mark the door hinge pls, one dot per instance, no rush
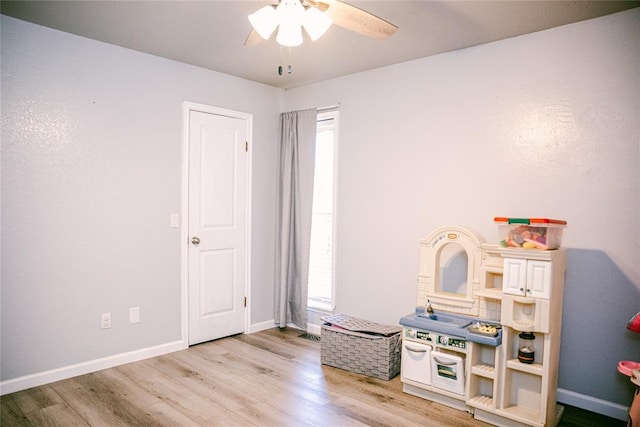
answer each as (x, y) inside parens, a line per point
(246, 146)
(245, 302)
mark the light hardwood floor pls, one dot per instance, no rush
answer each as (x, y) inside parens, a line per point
(271, 378)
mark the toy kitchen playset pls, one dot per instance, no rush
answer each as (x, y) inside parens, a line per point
(485, 337)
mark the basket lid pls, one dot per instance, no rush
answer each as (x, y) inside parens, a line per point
(359, 325)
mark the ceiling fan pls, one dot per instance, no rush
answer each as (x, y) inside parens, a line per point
(315, 16)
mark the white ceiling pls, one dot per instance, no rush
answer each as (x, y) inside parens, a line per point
(211, 34)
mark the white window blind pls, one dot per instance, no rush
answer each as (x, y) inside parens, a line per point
(321, 286)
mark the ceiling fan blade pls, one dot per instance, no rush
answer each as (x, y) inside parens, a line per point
(253, 39)
(322, 5)
(357, 20)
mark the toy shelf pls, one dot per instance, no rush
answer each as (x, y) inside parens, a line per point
(483, 381)
(533, 369)
(523, 395)
(489, 293)
(487, 371)
(482, 401)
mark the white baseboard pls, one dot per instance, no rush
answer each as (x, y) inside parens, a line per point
(41, 378)
(257, 327)
(593, 404)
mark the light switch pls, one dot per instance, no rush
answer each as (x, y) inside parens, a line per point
(134, 315)
(175, 220)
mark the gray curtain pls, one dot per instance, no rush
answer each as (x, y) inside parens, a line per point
(293, 231)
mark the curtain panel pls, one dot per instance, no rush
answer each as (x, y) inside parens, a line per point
(297, 146)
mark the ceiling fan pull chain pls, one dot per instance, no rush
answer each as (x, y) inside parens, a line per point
(289, 61)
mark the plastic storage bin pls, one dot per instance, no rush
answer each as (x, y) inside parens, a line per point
(530, 233)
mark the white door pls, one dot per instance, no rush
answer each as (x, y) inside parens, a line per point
(217, 206)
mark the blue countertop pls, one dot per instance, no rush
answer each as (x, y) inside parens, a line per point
(451, 324)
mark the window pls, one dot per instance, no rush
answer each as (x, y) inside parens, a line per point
(321, 289)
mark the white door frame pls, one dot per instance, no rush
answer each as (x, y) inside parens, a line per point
(187, 107)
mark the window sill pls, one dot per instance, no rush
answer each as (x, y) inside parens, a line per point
(321, 309)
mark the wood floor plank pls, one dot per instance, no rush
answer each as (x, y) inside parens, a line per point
(288, 374)
(10, 412)
(207, 379)
(109, 398)
(388, 395)
(199, 403)
(112, 395)
(264, 414)
(309, 411)
(43, 406)
(263, 361)
(37, 398)
(56, 415)
(283, 343)
(149, 407)
(87, 401)
(370, 414)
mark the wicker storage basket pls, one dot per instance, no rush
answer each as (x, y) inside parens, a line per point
(361, 346)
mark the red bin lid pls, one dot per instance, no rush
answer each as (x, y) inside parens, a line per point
(529, 221)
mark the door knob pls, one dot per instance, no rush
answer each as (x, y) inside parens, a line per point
(195, 240)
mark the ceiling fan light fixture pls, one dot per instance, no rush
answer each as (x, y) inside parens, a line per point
(290, 17)
(264, 21)
(315, 16)
(316, 23)
(289, 34)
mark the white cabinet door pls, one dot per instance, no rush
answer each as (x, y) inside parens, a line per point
(514, 278)
(539, 279)
(527, 277)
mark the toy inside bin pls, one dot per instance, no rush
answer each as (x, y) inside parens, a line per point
(530, 233)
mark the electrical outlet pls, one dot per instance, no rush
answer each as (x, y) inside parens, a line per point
(134, 315)
(106, 320)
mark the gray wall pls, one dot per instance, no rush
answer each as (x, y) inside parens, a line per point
(543, 125)
(91, 172)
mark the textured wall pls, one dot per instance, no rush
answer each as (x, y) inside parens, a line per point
(543, 125)
(91, 172)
